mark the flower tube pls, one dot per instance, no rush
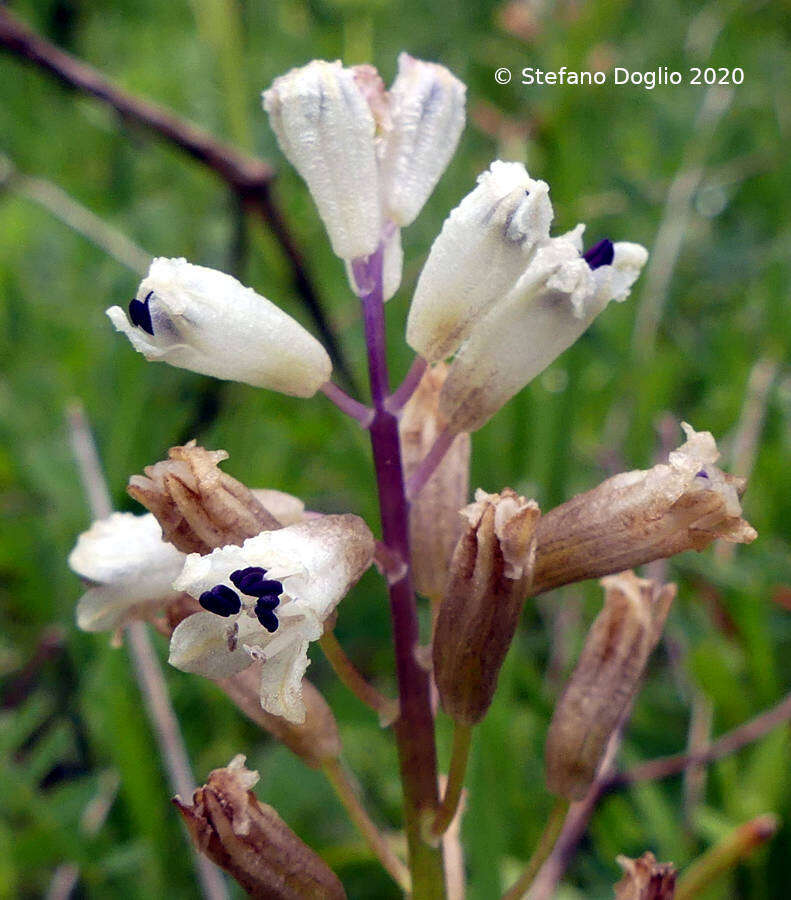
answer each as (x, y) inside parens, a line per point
(484, 246)
(554, 302)
(325, 128)
(206, 321)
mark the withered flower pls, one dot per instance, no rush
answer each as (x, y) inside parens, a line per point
(605, 679)
(645, 879)
(636, 517)
(489, 579)
(250, 841)
(434, 521)
(199, 506)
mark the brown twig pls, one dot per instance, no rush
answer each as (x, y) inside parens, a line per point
(249, 178)
(734, 740)
(147, 669)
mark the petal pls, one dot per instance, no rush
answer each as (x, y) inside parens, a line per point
(426, 121)
(199, 644)
(107, 607)
(286, 508)
(125, 548)
(281, 682)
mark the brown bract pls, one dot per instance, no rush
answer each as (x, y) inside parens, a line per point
(489, 579)
(198, 506)
(434, 522)
(605, 680)
(645, 879)
(251, 841)
(636, 517)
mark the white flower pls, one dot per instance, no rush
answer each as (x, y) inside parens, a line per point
(484, 246)
(370, 157)
(325, 128)
(206, 321)
(266, 600)
(552, 304)
(426, 118)
(130, 566)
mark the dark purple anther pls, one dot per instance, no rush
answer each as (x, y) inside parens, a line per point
(600, 254)
(251, 581)
(140, 314)
(221, 601)
(266, 616)
(701, 474)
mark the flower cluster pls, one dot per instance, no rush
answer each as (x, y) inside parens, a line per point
(242, 581)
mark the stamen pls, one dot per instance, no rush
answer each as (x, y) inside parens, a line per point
(601, 254)
(265, 615)
(140, 314)
(702, 474)
(251, 581)
(221, 600)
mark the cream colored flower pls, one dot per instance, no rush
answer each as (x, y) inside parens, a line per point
(266, 600)
(131, 570)
(206, 321)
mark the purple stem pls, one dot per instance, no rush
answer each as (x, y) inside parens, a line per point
(400, 396)
(358, 411)
(414, 728)
(429, 463)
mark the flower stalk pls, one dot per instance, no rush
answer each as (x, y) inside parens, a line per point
(551, 833)
(459, 757)
(414, 728)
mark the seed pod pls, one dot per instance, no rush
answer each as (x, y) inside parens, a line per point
(645, 879)
(434, 521)
(636, 517)
(198, 506)
(605, 679)
(250, 841)
(489, 579)
(314, 741)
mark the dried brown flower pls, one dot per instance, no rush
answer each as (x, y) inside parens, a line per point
(645, 879)
(636, 517)
(434, 523)
(489, 579)
(250, 841)
(605, 679)
(198, 506)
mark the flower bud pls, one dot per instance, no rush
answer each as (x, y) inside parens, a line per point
(426, 121)
(250, 841)
(636, 517)
(206, 321)
(552, 304)
(198, 506)
(130, 569)
(314, 741)
(325, 128)
(483, 248)
(605, 680)
(645, 879)
(488, 582)
(434, 520)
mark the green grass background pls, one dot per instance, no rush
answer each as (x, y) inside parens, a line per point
(611, 156)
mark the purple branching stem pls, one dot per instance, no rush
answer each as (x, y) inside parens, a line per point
(400, 396)
(429, 463)
(414, 728)
(346, 404)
